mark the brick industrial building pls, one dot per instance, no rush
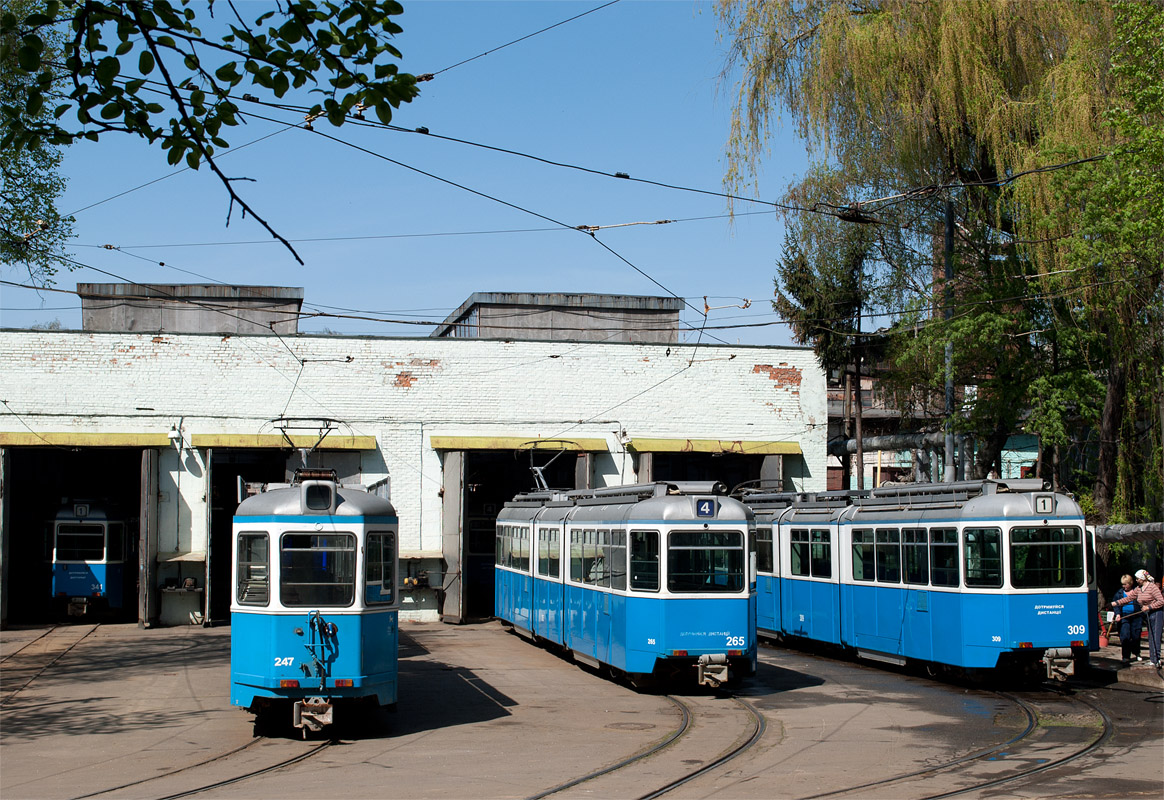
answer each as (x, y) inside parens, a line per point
(169, 426)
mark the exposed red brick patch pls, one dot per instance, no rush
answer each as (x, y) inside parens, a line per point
(782, 374)
(405, 379)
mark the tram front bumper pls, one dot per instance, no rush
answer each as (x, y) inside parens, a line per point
(1060, 662)
(712, 669)
(312, 713)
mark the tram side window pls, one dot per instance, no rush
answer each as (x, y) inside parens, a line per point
(1089, 557)
(863, 569)
(888, 555)
(576, 571)
(822, 559)
(548, 553)
(380, 558)
(618, 559)
(798, 564)
(644, 561)
(944, 557)
(80, 542)
(982, 549)
(915, 549)
(1046, 558)
(705, 561)
(254, 569)
(597, 552)
(521, 552)
(317, 569)
(764, 560)
(589, 572)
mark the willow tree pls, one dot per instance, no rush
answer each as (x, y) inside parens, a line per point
(915, 103)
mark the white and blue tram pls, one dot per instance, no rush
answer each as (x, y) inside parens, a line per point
(651, 580)
(973, 575)
(88, 548)
(314, 615)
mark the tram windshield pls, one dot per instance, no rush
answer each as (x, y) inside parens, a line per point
(80, 542)
(1046, 558)
(317, 569)
(705, 561)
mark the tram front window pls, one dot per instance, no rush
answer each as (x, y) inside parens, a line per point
(705, 561)
(317, 569)
(84, 542)
(1046, 558)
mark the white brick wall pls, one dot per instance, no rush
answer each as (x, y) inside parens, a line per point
(403, 391)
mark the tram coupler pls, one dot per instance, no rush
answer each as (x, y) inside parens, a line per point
(1060, 663)
(78, 606)
(712, 669)
(312, 713)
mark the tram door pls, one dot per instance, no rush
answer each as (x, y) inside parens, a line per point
(767, 586)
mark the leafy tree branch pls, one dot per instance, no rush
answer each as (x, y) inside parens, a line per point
(340, 51)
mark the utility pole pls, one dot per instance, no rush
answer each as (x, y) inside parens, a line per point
(948, 251)
(858, 401)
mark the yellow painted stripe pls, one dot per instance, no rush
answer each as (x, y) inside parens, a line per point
(517, 443)
(715, 446)
(259, 440)
(73, 439)
(264, 440)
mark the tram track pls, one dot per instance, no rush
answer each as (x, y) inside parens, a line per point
(287, 762)
(210, 762)
(35, 658)
(28, 644)
(987, 759)
(733, 753)
(688, 717)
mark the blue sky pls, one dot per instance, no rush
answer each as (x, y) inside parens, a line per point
(635, 88)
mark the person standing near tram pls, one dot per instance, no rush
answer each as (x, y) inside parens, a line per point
(1147, 595)
(1130, 620)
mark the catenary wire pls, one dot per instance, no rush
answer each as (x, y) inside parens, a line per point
(431, 75)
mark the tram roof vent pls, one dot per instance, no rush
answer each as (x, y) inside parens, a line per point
(696, 487)
(315, 474)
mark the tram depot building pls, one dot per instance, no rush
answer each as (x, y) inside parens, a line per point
(172, 400)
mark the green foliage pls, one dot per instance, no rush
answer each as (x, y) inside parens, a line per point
(1057, 298)
(32, 230)
(822, 282)
(146, 68)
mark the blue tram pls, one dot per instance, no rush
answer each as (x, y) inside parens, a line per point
(88, 547)
(315, 607)
(652, 580)
(973, 575)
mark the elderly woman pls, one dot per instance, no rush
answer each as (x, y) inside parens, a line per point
(1131, 622)
(1147, 595)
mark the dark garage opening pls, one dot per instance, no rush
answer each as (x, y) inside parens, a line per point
(226, 468)
(731, 469)
(493, 477)
(44, 480)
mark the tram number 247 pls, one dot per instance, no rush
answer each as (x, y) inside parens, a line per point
(289, 661)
